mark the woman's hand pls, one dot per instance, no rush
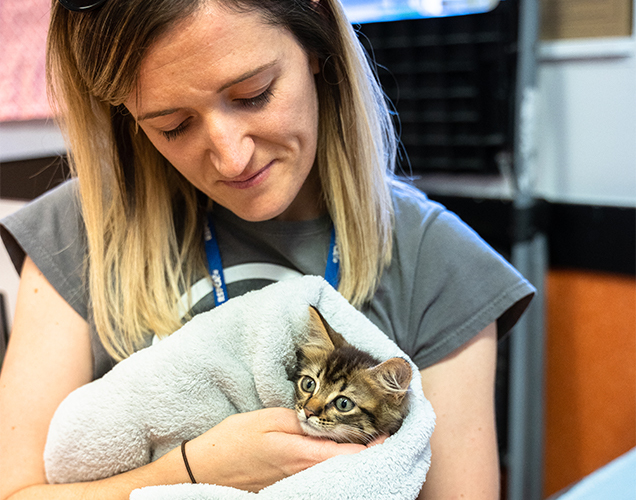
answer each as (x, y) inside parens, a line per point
(253, 450)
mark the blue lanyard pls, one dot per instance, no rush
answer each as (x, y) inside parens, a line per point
(215, 264)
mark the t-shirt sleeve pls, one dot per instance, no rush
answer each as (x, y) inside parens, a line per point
(460, 286)
(50, 231)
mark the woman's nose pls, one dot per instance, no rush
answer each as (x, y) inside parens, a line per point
(230, 146)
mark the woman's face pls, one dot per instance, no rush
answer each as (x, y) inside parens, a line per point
(231, 103)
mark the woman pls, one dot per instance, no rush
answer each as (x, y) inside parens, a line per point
(261, 123)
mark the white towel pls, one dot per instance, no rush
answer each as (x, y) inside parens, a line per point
(235, 358)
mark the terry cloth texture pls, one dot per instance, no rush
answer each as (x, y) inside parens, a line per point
(236, 358)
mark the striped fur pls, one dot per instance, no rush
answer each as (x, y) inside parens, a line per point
(345, 394)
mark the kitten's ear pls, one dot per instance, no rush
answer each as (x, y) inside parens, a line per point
(321, 334)
(394, 376)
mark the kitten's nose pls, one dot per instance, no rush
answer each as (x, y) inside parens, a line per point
(309, 412)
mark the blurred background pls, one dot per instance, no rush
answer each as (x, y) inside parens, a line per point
(520, 116)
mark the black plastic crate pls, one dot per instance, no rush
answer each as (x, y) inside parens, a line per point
(451, 81)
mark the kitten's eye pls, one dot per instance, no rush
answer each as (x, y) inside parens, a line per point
(343, 404)
(307, 384)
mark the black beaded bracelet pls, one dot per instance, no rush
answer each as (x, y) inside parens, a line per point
(185, 461)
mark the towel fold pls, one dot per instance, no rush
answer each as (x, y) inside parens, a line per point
(235, 358)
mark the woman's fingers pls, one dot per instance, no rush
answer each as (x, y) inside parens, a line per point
(253, 450)
(378, 440)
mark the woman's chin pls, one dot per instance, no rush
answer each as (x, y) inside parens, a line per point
(255, 213)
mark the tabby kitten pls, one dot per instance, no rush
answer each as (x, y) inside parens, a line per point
(343, 393)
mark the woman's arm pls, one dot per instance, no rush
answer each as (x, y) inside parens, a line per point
(49, 355)
(248, 451)
(464, 444)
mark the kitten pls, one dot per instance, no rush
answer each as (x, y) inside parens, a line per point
(345, 394)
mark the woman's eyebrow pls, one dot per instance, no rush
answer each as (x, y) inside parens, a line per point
(249, 74)
(241, 78)
(156, 114)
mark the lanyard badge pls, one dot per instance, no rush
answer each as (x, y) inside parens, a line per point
(332, 269)
(215, 264)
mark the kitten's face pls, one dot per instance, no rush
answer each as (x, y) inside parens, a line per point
(343, 393)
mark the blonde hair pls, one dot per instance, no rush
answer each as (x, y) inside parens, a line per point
(145, 252)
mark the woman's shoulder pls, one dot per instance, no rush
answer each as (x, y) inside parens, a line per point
(425, 227)
(53, 219)
(50, 230)
(62, 200)
(453, 283)
(412, 207)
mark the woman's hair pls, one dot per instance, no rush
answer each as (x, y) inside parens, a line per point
(144, 221)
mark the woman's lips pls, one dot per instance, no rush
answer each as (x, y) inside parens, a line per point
(250, 180)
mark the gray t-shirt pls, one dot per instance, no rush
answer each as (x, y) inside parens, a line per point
(444, 284)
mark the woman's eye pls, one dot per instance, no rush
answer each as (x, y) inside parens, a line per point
(307, 384)
(258, 101)
(343, 404)
(175, 132)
